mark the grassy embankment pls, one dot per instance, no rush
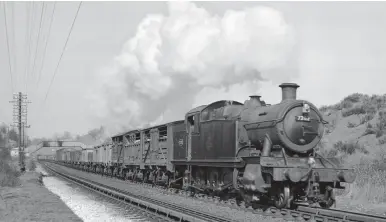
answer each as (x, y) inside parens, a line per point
(356, 134)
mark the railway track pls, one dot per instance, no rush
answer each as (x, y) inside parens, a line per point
(304, 212)
(301, 213)
(152, 208)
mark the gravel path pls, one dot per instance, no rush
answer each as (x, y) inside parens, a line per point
(212, 208)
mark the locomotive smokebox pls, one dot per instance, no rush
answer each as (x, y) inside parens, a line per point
(288, 91)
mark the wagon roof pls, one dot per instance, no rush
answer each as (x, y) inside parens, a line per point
(147, 128)
(120, 134)
(165, 124)
(201, 108)
(124, 133)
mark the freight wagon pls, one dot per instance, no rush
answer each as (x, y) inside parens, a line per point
(87, 155)
(69, 154)
(60, 155)
(146, 154)
(75, 155)
(102, 153)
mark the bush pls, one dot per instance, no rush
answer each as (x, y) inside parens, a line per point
(381, 125)
(323, 109)
(357, 110)
(9, 174)
(353, 98)
(330, 126)
(332, 153)
(346, 105)
(4, 154)
(368, 117)
(351, 125)
(370, 109)
(369, 131)
(349, 148)
(382, 141)
(378, 133)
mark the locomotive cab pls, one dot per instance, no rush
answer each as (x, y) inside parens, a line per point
(212, 142)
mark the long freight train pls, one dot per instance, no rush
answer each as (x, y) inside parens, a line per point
(251, 152)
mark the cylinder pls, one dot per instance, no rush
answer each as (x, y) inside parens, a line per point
(288, 91)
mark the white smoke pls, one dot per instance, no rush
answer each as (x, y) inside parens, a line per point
(187, 58)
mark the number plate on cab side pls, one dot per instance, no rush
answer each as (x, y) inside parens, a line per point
(303, 119)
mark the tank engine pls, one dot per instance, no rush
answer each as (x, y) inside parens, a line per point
(254, 152)
(281, 163)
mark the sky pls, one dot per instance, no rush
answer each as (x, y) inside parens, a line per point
(128, 64)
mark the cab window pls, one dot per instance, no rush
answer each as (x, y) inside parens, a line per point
(193, 123)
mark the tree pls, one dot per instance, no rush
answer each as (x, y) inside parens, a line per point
(3, 136)
(66, 136)
(97, 133)
(13, 135)
(3, 130)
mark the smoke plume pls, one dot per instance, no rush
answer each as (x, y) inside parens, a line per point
(189, 58)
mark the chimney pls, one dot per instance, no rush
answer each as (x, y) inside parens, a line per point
(254, 101)
(288, 91)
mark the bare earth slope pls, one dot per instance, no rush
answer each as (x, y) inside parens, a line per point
(356, 134)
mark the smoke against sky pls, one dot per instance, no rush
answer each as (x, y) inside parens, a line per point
(187, 58)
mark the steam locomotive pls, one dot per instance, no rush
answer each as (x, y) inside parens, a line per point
(253, 152)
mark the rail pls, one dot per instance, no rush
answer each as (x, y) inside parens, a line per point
(167, 210)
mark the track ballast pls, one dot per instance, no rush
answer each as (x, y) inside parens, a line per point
(182, 213)
(164, 210)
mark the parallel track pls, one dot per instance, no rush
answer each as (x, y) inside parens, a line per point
(302, 212)
(166, 211)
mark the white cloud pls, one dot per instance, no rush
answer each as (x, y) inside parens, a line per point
(190, 57)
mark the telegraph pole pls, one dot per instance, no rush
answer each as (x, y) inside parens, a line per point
(20, 120)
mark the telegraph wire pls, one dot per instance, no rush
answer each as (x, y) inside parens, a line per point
(14, 49)
(39, 44)
(32, 20)
(6, 37)
(37, 41)
(64, 48)
(27, 43)
(45, 47)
